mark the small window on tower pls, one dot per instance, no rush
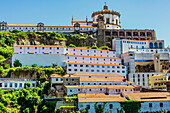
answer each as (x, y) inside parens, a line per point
(107, 20)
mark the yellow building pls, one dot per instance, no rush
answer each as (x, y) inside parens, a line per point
(158, 82)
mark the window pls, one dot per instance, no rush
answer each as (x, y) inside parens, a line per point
(118, 71)
(66, 79)
(161, 104)
(75, 65)
(42, 47)
(16, 85)
(75, 69)
(108, 66)
(28, 47)
(113, 71)
(50, 47)
(56, 79)
(88, 106)
(81, 65)
(20, 84)
(150, 105)
(87, 65)
(89, 89)
(69, 69)
(92, 65)
(103, 71)
(108, 71)
(20, 47)
(5, 84)
(118, 67)
(102, 66)
(92, 70)
(97, 66)
(94, 83)
(81, 70)
(75, 57)
(69, 65)
(123, 71)
(111, 106)
(98, 70)
(100, 106)
(87, 50)
(100, 84)
(0, 84)
(72, 79)
(70, 90)
(113, 66)
(87, 70)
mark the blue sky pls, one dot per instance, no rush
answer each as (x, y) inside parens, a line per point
(135, 14)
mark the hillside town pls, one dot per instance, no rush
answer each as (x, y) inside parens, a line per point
(86, 67)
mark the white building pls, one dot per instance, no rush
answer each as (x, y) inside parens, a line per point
(150, 101)
(73, 67)
(122, 46)
(76, 59)
(10, 83)
(142, 79)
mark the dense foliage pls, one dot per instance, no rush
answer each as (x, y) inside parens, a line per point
(27, 100)
(130, 106)
(8, 38)
(42, 73)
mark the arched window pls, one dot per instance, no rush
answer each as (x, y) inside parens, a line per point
(151, 45)
(116, 21)
(155, 45)
(160, 45)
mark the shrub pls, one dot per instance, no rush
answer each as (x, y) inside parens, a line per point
(28, 84)
(72, 45)
(7, 66)
(94, 47)
(34, 65)
(17, 63)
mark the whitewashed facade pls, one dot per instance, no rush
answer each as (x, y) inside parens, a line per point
(9, 83)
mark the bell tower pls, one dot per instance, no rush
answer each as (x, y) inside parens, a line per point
(157, 65)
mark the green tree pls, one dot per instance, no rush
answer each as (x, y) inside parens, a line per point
(28, 84)
(17, 63)
(94, 47)
(3, 109)
(34, 65)
(7, 66)
(26, 110)
(72, 45)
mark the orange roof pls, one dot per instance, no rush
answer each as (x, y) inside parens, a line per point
(96, 74)
(85, 79)
(99, 97)
(55, 75)
(105, 11)
(40, 53)
(62, 76)
(136, 40)
(58, 26)
(149, 96)
(94, 64)
(100, 86)
(93, 56)
(35, 25)
(90, 49)
(22, 25)
(38, 46)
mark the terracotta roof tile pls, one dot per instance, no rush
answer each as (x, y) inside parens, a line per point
(94, 64)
